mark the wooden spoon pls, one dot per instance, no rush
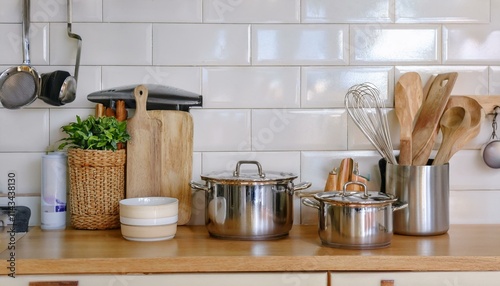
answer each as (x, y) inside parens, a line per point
(476, 117)
(454, 124)
(407, 101)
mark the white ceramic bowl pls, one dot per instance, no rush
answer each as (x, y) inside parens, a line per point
(149, 207)
(149, 233)
(148, 221)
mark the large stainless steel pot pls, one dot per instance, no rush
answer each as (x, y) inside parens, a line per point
(356, 220)
(249, 205)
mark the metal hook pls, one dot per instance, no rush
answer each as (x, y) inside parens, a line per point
(496, 110)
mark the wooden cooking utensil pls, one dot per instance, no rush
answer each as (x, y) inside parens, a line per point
(143, 150)
(332, 181)
(427, 123)
(345, 172)
(427, 86)
(408, 96)
(454, 124)
(176, 158)
(476, 117)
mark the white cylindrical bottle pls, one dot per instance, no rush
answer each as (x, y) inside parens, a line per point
(53, 191)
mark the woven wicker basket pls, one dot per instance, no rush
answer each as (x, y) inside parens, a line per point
(97, 184)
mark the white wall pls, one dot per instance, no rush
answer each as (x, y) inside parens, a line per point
(273, 75)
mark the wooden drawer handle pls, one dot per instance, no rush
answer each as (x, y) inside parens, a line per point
(387, 283)
(54, 283)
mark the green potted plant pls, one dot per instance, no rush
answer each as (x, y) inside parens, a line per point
(96, 168)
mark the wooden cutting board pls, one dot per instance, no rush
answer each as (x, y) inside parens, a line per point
(143, 150)
(176, 160)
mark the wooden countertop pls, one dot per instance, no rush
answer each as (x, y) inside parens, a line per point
(463, 248)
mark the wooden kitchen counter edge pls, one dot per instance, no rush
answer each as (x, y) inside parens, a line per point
(463, 248)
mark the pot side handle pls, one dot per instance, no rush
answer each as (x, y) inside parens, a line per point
(310, 203)
(398, 205)
(301, 186)
(198, 186)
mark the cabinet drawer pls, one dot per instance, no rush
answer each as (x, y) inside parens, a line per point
(416, 278)
(215, 279)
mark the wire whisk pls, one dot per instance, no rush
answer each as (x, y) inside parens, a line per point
(365, 107)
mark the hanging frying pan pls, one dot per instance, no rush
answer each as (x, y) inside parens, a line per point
(20, 86)
(59, 87)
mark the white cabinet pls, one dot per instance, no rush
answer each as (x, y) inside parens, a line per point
(188, 279)
(416, 278)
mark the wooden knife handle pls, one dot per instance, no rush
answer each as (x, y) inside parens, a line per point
(99, 110)
(332, 181)
(387, 283)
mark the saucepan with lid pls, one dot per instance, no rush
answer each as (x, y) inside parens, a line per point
(355, 219)
(249, 205)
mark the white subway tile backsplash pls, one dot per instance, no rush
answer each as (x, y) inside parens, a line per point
(11, 44)
(27, 170)
(10, 11)
(187, 78)
(113, 44)
(151, 11)
(251, 87)
(471, 44)
(293, 44)
(474, 207)
(338, 11)
(289, 129)
(444, 11)
(56, 11)
(395, 44)
(326, 87)
(256, 11)
(493, 82)
(468, 172)
(221, 129)
(196, 44)
(24, 130)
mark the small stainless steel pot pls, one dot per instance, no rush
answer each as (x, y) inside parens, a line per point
(356, 220)
(249, 206)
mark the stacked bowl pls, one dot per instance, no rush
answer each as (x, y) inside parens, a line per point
(149, 218)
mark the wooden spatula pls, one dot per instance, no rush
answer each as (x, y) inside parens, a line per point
(408, 96)
(427, 123)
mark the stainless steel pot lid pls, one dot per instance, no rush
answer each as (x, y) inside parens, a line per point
(247, 177)
(355, 197)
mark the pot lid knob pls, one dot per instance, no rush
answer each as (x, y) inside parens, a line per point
(236, 172)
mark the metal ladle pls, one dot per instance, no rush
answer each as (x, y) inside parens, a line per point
(20, 85)
(491, 150)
